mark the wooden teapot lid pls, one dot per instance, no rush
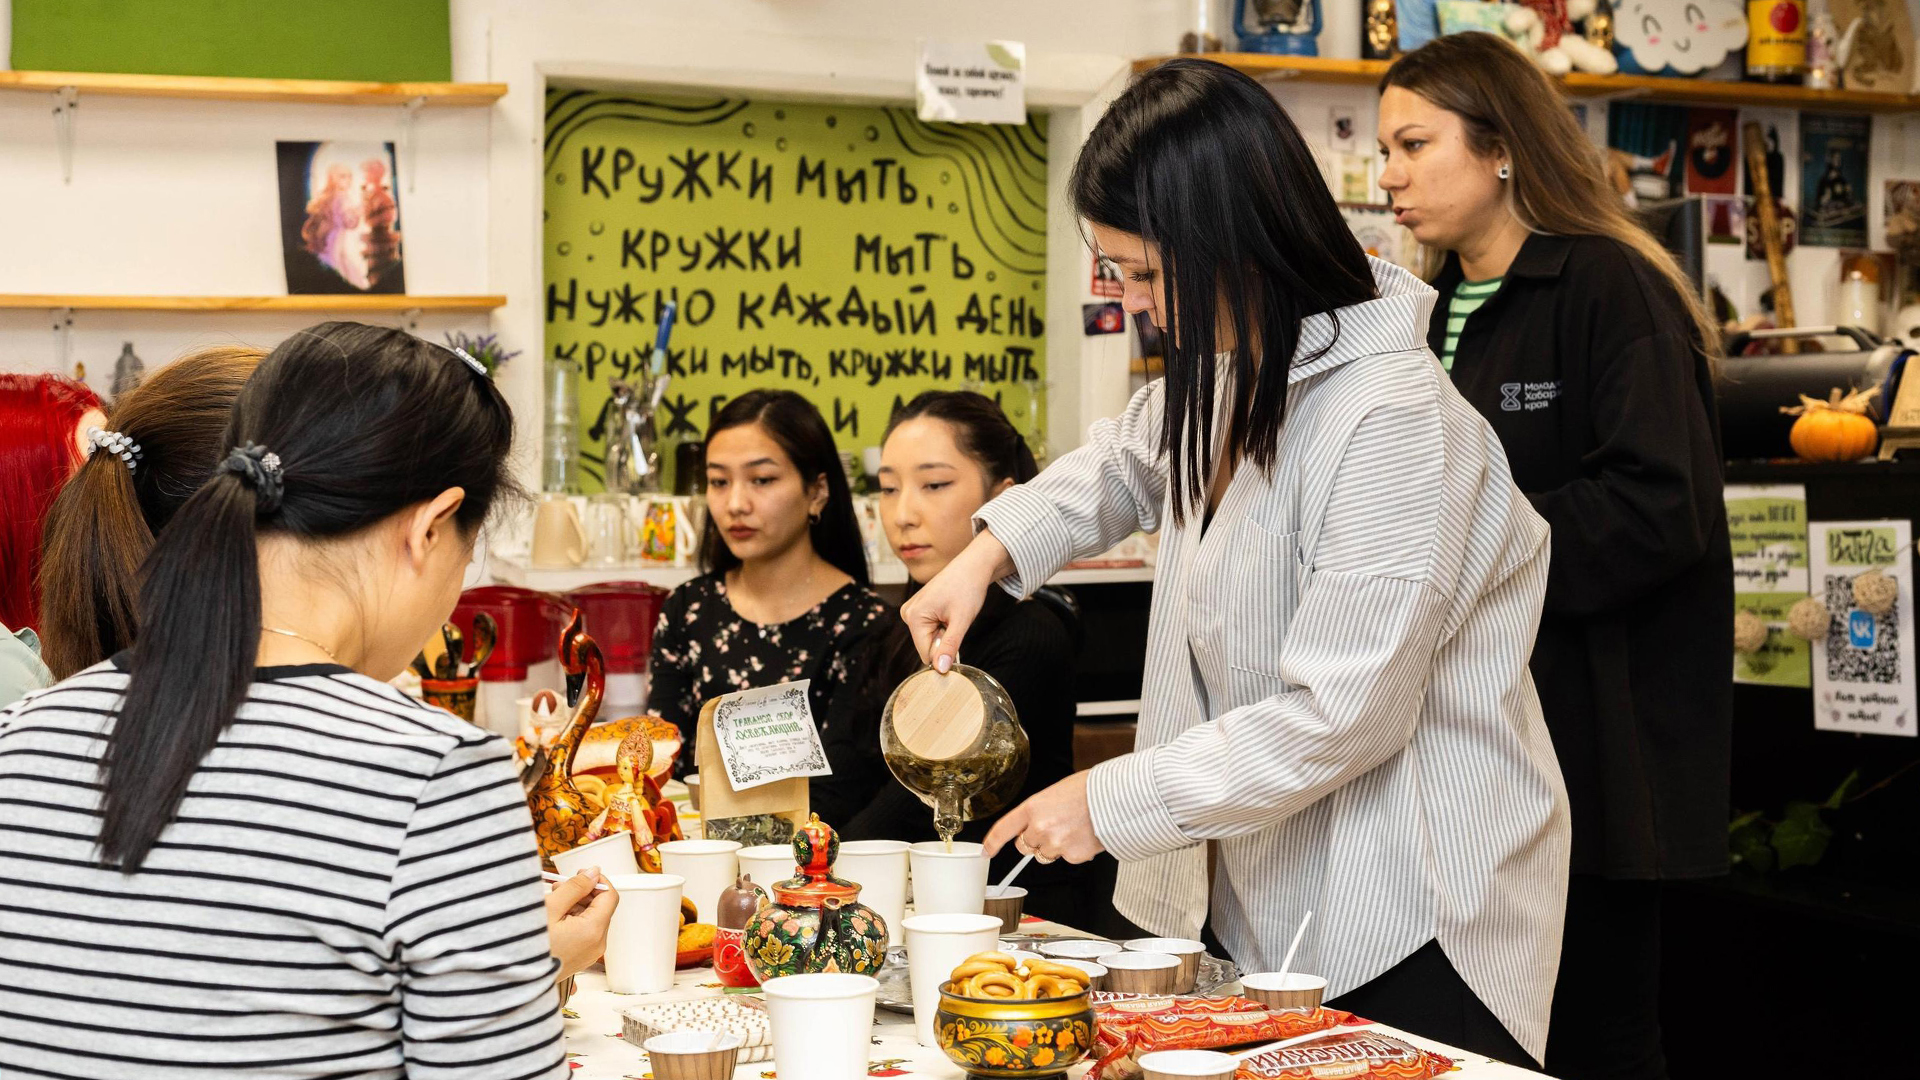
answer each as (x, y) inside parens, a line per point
(938, 717)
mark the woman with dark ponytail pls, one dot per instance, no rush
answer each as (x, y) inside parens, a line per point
(243, 783)
(785, 595)
(944, 455)
(103, 522)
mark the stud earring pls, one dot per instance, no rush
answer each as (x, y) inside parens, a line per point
(1505, 171)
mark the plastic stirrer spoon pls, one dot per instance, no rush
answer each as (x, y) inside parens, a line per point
(1000, 890)
(1286, 965)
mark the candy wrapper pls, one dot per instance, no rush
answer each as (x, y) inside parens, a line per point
(1130, 1025)
(1349, 1055)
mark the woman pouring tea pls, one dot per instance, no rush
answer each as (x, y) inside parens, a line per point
(1337, 701)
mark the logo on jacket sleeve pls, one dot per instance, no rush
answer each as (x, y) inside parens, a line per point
(1527, 396)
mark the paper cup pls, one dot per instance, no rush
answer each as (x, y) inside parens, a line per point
(693, 791)
(948, 882)
(822, 1025)
(936, 944)
(644, 934)
(1188, 1065)
(767, 864)
(1140, 972)
(879, 867)
(1188, 950)
(709, 867)
(1078, 949)
(1006, 904)
(613, 854)
(1096, 973)
(693, 1055)
(1295, 990)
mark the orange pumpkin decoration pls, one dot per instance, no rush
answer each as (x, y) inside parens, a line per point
(1837, 429)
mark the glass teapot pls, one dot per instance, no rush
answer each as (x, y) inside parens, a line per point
(956, 742)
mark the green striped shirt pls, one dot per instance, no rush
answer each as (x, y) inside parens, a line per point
(1467, 298)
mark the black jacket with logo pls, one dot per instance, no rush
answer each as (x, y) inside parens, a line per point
(1583, 363)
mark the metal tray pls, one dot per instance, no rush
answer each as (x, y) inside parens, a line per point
(1216, 977)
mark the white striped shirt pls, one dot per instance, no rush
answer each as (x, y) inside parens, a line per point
(350, 888)
(1336, 677)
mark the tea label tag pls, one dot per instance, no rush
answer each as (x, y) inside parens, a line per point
(767, 734)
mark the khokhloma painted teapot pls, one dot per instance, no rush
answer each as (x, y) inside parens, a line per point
(816, 921)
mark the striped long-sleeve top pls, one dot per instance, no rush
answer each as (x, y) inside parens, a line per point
(1336, 681)
(350, 888)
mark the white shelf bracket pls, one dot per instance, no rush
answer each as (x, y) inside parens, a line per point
(408, 114)
(63, 339)
(66, 102)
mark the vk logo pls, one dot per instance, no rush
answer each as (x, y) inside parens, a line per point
(1510, 397)
(1860, 629)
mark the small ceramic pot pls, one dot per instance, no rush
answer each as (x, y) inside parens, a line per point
(1012, 1039)
(730, 959)
(815, 922)
(454, 695)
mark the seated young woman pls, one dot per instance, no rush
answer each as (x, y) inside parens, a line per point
(101, 525)
(945, 454)
(233, 847)
(785, 594)
(43, 424)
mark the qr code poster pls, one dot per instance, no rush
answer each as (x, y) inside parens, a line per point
(1863, 667)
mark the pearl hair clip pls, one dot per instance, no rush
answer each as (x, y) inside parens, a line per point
(117, 444)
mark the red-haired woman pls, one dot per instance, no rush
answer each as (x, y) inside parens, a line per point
(43, 424)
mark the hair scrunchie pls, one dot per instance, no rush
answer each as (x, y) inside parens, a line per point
(259, 469)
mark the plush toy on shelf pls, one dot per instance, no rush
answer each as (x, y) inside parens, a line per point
(1677, 37)
(1544, 30)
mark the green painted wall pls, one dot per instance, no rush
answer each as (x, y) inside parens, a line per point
(377, 40)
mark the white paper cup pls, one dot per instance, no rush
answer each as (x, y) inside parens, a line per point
(709, 867)
(948, 882)
(1141, 972)
(1295, 990)
(613, 854)
(644, 934)
(1096, 973)
(936, 944)
(1188, 950)
(1188, 1065)
(822, 1025)
(879, 867)
(767, 864)
(1078, 948)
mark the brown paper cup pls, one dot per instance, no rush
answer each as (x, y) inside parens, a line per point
(1141, 973)
(1096, 973)
(676, 1055)
(1293, 991)
(1006, 906)
(1186, 950)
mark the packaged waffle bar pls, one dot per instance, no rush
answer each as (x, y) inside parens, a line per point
(1130, 1025)
(1348, 1055)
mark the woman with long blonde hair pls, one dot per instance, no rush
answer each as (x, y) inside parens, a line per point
(1590, 352)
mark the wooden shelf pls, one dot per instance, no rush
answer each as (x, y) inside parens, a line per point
(1637, 87)
(343, 303)
(211, 88)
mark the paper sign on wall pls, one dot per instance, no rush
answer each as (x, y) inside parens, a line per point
(1863, 668)
(767, 734)
(974, 83)
(1768, 526)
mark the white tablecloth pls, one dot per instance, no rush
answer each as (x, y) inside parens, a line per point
(597, 1051)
